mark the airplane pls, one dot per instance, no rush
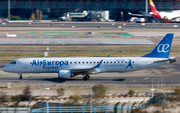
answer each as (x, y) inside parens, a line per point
(70, 67)
(172, 16)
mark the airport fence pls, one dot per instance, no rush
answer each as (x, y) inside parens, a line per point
(15, 109)
(85, 109)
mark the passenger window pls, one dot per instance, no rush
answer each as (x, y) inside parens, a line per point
(94, 62)
(13, 62)
(111, 62)
(125, 61)
(70, 62)
(114, 62)
(122, 62)
(30, 62)
(132, 61)
(75, 62)
(83, 62)
(87, 62)
(79, 62)
(90, 62)
(107, 62)
(98, 62)
(118, 62)
(104, 62)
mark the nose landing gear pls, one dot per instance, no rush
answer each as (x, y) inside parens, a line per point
(86, 77)
(20, 76)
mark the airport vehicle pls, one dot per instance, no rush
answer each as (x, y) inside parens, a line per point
(86, 16)
(70, 67)
(171, 16)
(137, 20)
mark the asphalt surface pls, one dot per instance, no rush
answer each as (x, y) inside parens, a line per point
(165, 75)
(76, 41)
(110, 25)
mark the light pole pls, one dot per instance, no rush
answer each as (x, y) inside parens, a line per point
(9, 9)
(91, 95)
(146, 8)
(152, 89)
(47, 103)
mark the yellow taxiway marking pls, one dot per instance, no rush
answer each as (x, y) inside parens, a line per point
(17, 84)
(167, 71)
(25, 80)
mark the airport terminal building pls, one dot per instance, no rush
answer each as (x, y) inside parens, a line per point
(52, 9)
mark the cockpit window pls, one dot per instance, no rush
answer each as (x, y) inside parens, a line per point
(13, 62)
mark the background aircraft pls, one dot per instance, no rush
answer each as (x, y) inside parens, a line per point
(171, 16)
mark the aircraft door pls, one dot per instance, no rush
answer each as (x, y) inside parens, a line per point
(24, 63)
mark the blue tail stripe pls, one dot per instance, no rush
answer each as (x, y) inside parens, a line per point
(163, 48)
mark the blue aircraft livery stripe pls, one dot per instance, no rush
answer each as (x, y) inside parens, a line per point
(97, 66)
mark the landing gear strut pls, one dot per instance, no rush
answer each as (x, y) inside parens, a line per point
(20, 76)
(85, 78)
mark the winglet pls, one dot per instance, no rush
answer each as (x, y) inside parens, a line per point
(108, 56)
(98, 65)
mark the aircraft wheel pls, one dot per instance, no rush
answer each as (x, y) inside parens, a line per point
(85, 78)
(20, 76)
(88, 76)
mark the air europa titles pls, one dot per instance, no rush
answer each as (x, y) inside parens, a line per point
(50, 64)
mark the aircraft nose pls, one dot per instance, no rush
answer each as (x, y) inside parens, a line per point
(4, 68)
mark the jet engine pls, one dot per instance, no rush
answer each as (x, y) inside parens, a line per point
(65, 74)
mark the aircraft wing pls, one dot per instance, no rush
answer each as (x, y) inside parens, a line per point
(143, 14)
(86, 69)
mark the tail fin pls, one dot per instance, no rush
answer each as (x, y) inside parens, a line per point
(153, 8)
(163, 48)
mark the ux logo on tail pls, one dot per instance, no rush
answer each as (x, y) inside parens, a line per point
(163, 48)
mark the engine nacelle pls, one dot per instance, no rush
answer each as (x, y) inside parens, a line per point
(65, 74)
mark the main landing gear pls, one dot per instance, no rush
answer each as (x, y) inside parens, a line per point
(86, 77)
(20, 76)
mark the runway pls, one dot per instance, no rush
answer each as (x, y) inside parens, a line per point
(165, 75)
(110, 25)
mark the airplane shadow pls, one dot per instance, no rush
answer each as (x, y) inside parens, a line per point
(59, 80)
(119, 80)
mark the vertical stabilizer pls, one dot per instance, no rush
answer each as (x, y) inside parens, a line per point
(163, 48)
(154, 10)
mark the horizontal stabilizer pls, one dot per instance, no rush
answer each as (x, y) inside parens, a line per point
(171, 60)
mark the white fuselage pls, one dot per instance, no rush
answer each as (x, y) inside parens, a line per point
(170, 15)
(109, 64)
